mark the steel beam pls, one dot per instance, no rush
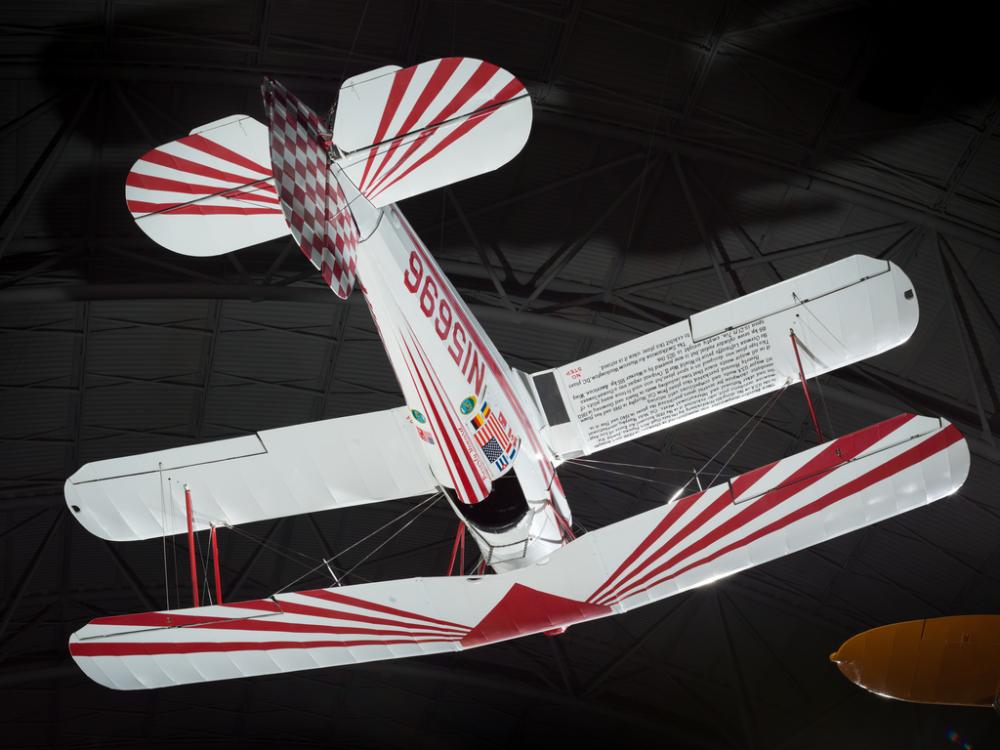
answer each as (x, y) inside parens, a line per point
(17, 209)
(706, 240)
(562, 257)
(480, 251)
(810, 180)
(743, 703)
(18, 589)
(965, 342)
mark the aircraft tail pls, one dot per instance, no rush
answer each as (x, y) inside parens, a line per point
(397, 133)
(406, 131)
(209, 192)
(314, 205)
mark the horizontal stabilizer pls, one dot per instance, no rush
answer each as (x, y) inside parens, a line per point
(405, 132)
(208, 193)
(828, 490)
(840, 313)
(302, 469)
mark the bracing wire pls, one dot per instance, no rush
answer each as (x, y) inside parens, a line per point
(637, 477)
(173, 546)
(422, 507)
(635, 466)
(278, 549)
(753, 420)
(429, 503)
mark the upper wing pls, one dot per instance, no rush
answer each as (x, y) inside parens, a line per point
(840, 313)
(828, 490)
(301, 469)
(209, 192)
(404, 132)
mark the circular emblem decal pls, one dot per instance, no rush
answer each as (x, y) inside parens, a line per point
(468, 405)
(418, 416)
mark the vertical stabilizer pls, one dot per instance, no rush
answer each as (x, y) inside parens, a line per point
(314, 205)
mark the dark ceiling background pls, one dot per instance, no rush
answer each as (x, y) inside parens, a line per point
(682, 153)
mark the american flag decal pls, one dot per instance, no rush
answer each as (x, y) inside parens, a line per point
(315, 207)
(495, 438)
(495, 428)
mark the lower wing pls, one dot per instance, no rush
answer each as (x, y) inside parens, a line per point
(828, 490)
(301, 469)
(839, 314)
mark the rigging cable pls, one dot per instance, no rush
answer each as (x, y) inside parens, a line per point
(423, 506)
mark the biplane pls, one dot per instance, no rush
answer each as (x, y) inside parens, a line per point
(488, 437)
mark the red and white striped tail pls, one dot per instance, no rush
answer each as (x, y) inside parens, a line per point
(821, 493)
(208, 193)
(314, 205)
(408, 131)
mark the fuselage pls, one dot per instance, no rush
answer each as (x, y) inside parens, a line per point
(479, 426)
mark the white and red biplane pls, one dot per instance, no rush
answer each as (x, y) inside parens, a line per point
(489, 437)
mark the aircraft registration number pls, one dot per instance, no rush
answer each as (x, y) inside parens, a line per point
(451, 331)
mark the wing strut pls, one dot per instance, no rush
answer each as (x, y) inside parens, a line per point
(215, 563)
(805, 385)
(191, 560)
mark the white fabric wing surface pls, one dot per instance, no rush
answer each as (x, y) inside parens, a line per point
(840, 313)
(828, 490)
(210, 192)
(404, 132)
(302, 469)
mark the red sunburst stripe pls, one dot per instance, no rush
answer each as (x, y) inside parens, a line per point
(339, 598)
(920, 452)
(458, 308)
(144, 208)
(400, 82)
(371, 189)
(164, 184)
(201, 143)
(135, 648)
(470, 88)
(180, 164)
(261, 624)
(454, 440)
(833, 455)
(506, 94)
(458, 476)
(720, 503)
(455, 426)
(441, 75)
(436, 428)
(307, 610)
(172, 619)
(678, 509)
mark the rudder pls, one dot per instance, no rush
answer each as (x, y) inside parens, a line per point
(314, 205)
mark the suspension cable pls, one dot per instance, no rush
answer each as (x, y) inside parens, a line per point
(423, 506)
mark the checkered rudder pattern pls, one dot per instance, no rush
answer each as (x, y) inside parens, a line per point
(315, 207)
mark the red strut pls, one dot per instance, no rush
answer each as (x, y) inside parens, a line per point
(215, 563)
(805, 388)
(459, 537)
(194, 569)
